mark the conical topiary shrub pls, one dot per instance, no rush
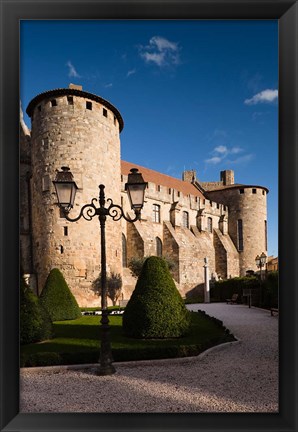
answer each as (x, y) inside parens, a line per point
(35, 323)
(57, 298)
(156, 308)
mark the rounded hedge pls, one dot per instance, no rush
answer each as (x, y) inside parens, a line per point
(57, 298)
(156, 308)
(35, 323)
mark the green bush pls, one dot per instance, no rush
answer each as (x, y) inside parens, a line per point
(224, 289)
(57, 298)
(35, 323)
(270, 290)
(156, 308)
(135, 265)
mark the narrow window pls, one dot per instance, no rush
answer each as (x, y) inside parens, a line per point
(266, 245)
(70, 100)
(218, 206)
(104, 112)
(169, 191)
(185, 219)
(124, 251)
(156, 213)
(89, 105)
(263, 192)
(158, 247)
(241, 191)
(254, 191)
(53, 102)
(39, 108)
(61, 249)
(209, 224)
(240, 234)
(178, 193)
(65, 230)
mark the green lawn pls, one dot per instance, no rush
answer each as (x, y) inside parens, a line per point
(78, 341)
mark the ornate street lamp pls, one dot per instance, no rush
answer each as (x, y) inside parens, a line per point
(261, 262)
(66, 190)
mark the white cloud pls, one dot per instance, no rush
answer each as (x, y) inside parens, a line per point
(221, 153)
(221, 149)
(71, 70)
(108, 85)
(131, 72)
(214, 160)
(241, 160)
(160, 51)
(265, 96)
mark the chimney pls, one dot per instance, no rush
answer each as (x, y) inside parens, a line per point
(75, 87)
(227, 177)
(189, 176)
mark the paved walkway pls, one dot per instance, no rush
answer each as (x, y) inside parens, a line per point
(235, 377)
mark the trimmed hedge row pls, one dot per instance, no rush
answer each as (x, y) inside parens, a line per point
(264, 293)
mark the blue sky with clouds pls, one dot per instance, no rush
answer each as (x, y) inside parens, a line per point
(199, 95)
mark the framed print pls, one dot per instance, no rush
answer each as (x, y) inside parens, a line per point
(118, 17)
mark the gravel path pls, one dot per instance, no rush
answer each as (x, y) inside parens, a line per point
(235, 377)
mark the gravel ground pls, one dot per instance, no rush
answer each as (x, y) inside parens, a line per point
(240, 376)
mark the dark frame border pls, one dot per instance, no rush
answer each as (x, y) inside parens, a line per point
(286, 11)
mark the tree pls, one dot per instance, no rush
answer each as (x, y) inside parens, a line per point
(57, 298)
(114, 285)
(156, 308)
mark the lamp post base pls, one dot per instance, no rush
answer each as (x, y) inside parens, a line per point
(106, 370)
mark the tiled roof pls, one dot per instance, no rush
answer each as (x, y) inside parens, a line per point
(162, 179)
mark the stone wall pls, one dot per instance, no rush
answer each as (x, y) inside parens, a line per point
(249, 204)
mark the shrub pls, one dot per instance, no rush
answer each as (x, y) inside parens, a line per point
(35, 323)
(156, 308)
(114, 285)
(57, 298)
(224, 289)
(135, 265)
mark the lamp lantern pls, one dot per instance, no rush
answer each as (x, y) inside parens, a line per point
(66, 188)
(258, 260)
(263, 259)
(135, 188)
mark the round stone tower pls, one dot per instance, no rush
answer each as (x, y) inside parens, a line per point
(73, 128)
(247, 220)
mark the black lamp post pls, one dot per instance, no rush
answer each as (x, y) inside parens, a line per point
(261, 262)
(66, 190)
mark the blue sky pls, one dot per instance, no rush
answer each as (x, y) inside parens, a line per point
(199, 95)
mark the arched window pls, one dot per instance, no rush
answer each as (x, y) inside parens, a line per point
(209, 224)
(156, 213)
(124, 251)
(240, 234)
(158, 247)
(185, 219)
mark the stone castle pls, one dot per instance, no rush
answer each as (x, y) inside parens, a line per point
(185, 220)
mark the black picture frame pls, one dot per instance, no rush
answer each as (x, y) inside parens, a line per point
(286, 12)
